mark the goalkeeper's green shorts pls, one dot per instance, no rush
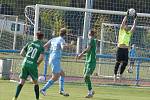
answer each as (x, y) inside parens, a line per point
(29, 70)
(89, 69)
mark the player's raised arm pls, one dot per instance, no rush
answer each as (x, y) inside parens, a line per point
(124, 21)
(133, 26)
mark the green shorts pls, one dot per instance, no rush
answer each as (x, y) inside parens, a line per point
(89, 69)
(29, 70)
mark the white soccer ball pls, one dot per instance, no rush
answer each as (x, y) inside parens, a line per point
(132, 12)
(41, 79)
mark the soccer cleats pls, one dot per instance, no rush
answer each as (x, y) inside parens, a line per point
(14, 98)
(130, 70)
(64, 94)
(90, 95)
(43, 92)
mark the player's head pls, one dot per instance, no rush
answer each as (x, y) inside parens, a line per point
(91, 33)
(39, 35)
(133, 46)
(63, 32)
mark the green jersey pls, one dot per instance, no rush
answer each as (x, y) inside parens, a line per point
(33, 51)
(91, 54)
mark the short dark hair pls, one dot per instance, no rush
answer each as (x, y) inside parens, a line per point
(63, 32)
(39, 35)
(92, 32)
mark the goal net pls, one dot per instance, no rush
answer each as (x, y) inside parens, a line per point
(9, 30)
(49, 19)
(12, 37)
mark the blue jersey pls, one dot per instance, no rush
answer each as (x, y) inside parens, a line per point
(55, 50)
(56, 46)
(132, 52)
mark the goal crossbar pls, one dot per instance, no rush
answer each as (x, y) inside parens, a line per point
(90, 10)
(111, 12)
(12, 16)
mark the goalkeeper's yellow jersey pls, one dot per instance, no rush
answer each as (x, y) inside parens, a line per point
(124, 37)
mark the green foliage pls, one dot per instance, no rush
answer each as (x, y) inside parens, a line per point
(53, 20)
(98, 22)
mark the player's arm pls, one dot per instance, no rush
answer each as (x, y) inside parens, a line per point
(24, 50)
(133, 26)
(40, 59)
(123, 22)
(89, 46)
(67, 45)
(47, 45)
(83, 52)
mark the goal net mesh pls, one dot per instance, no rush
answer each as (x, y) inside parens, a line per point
(51, 20)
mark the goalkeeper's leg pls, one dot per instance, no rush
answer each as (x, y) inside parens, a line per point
(116, 70)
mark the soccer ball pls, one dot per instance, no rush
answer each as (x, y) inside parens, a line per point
(41, 79)
(132, 12)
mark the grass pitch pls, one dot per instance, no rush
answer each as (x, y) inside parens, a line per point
(77, 92)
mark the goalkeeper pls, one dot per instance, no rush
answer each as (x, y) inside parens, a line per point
(123, 45)
(90, 62)
(33, 55)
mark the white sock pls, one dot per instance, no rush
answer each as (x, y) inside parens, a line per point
(90, 92)
(62, 91)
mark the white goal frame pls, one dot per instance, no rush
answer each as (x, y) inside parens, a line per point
(38, 6)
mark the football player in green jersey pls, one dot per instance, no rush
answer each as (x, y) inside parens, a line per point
(90, 62)
(33, 54)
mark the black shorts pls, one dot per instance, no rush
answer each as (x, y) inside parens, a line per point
(122, 54)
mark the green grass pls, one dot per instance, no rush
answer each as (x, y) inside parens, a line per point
(77, 92)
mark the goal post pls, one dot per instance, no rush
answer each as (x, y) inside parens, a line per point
(36, 20)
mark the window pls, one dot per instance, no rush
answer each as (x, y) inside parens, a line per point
(13, 27)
